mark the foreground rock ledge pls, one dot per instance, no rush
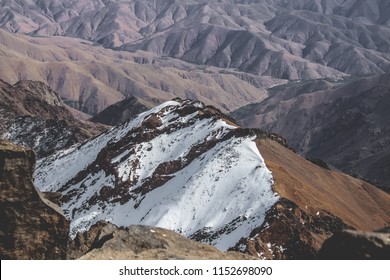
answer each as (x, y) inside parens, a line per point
(31, 226)
(105, 241)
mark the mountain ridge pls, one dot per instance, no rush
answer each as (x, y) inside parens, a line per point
(344, 123)
(142, 173)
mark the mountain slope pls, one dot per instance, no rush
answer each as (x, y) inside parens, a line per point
(300, 39)
(33, 115)
(144, 166)
(344, 124)
(186, 167)
(90, 78)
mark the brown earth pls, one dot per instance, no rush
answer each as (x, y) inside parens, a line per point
(315, 203)
(315, 189)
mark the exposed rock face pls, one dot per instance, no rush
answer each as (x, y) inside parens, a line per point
(106, 241)
(316, 189)
(31, 226)
(33, 115)
(291, 233)
(357, 245)
(315, 203)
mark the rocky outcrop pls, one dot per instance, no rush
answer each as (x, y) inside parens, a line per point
(316, 189)
(32, 227)
(33, 115)
(291, 233)
(357, 245)
(106, 241)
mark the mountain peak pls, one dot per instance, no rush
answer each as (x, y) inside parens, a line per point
(179, 166)
(186, 167)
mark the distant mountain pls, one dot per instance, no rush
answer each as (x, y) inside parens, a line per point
(187, 167)
(91, 78)
(122, 111)
(224, 53)
(300, 39)
(345, 124)
(33, 115)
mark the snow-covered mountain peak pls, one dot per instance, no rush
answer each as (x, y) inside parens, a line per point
(181, 165)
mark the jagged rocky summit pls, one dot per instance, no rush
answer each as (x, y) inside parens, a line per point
(187, 167)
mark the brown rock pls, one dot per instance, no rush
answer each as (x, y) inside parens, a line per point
(315, 203)
(31, 226)
(357, 245)
(106, 241)
(291, 233)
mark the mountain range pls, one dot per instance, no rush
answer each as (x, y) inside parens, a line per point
(214, 51)
(291, 39)
(229, 122)
(90, 78)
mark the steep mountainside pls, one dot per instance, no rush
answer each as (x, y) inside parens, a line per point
(344, 124)
(186, 167)
(33, 115)
(140, 166)
(298, 39)
(33, 227)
